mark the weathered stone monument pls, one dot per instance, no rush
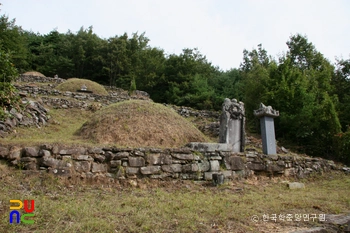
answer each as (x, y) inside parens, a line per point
(266, 115)
(232, 122)
(232, 133)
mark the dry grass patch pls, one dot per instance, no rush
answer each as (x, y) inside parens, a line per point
(74, 84)
(34, 73)
(63, 205)
(138, 123)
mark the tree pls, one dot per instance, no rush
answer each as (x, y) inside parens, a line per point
(8, 96)
(12, 41)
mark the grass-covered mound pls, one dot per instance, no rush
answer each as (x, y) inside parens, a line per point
(34, 73)
(138, 123)
(74, 84)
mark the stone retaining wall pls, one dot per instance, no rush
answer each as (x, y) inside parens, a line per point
(182, 163)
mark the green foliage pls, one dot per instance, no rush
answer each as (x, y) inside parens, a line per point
(299, 87)
(8, 95)
(312, 96)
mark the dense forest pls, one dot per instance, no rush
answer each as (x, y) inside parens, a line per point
(312, 95)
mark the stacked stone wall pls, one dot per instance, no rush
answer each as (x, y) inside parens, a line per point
(181, 163)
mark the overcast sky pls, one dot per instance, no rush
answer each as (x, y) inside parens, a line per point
(220, 29)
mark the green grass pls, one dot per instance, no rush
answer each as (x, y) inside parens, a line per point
(63, 205)
(61, 129)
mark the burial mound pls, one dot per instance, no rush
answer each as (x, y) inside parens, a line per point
(74, 84)
(34, 73)
(140, 123)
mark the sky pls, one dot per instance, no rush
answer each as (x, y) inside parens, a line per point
(220, 29)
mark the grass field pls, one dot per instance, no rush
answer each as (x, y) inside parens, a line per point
(63, 205)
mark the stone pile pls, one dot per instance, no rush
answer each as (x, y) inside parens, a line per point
(34, 114)
(39, 79)
(182, 163)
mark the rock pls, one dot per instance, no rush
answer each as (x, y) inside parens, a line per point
(97, 167)
(115, 163)
(204, 166)
(74, 151)
(15, 153)
(120, 155)
(4, 152)
(99, 158)
(295, 185)
(313, 230)
(31, 152)
(234, 163)
(272, 157)
(96, 150)
(190, 168)
(159, 159)
(136, 162)
(256, 166)
(172, 168)
(50, 162)
(183, 156)
(284, 150)
(27, 159)
(214, 166)
(132, 170)
(83, 158)
(149, 170)
(82, 166)
(44, 153)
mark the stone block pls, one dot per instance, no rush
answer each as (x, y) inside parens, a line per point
(173, 168)
(150, 170)
(272, 157)
(234, 163)
(132, 170)
(274, 168)
(83, 158)
(96, 150)
(73, 151)
(98, 167)
(214, 166)
(190, 168)
(296, 185)
(15, 153)
(120, 155)
(82, 166)
(139, 153)
(27, 159)
(99, 158)
(31, 152)
(44, 153)
(209, 175)
(30, 166)
(115, 163)
(159, 159)
(183, 156)
(50, 162)
(203, 166)
(4, 152)
(227, 174)
(256, 166)
(136, 162)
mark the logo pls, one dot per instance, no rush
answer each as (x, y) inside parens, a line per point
(17, 215)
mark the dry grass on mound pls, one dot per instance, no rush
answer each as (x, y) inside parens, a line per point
(138, 123)
(34, 73)
(74, 84)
